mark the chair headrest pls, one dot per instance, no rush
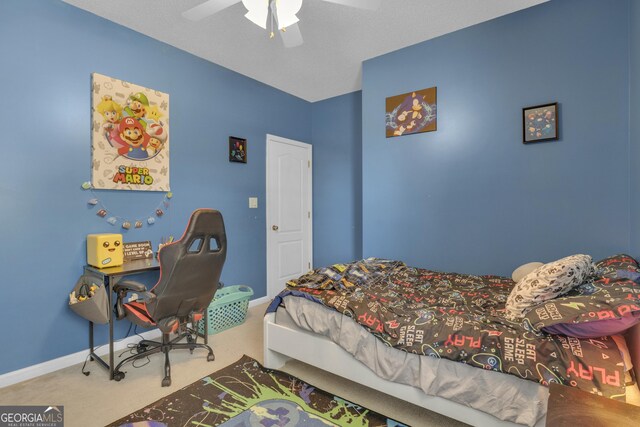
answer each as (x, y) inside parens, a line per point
(205, 221)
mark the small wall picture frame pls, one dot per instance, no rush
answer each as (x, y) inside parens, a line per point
(410, 113)
(540, 123)
(237, 150)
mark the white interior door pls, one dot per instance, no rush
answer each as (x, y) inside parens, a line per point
(289, 221)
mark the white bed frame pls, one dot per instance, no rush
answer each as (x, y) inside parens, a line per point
(282, 343)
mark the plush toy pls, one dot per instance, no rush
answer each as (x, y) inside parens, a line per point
(92, 289)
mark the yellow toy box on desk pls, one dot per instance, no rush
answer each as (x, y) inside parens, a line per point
(104, 250)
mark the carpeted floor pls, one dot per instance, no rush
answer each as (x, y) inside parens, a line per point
(96, 401)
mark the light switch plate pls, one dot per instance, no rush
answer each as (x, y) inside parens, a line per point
(253, 202)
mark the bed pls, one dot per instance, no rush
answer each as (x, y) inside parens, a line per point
(441, 341)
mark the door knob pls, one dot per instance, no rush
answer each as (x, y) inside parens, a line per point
(274, 227)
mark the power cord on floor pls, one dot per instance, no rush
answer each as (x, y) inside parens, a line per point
(86, 359)
(133, 349)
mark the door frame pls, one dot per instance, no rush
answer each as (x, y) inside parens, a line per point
(271, 139)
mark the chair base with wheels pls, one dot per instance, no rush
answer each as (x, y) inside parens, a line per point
(147, 347)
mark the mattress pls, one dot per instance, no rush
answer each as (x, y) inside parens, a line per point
(504, 396)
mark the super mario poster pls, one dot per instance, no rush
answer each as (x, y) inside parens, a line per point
(130, 136)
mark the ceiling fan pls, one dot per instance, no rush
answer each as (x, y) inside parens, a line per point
(280, 14)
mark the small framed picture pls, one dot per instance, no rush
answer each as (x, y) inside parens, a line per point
(540, 123)
(237, 150)
(413, 112)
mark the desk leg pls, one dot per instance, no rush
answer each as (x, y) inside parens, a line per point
(110, 292)
(91, 341)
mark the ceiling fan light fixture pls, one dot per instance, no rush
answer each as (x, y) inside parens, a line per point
(286, 11)
(258, 17)
(257, 12)
(286, 21)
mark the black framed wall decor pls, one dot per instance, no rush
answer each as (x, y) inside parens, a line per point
(540, 123)
(237, 150)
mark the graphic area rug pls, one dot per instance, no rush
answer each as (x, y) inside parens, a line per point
(246, 394)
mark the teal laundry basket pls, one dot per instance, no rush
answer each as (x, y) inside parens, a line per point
(228, 309)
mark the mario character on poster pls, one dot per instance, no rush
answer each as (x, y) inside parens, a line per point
(130, 136)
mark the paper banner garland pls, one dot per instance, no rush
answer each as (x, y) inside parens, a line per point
(127, 223)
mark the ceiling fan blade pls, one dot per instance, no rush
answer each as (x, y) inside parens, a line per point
(208, 8)
(258, 17)
(360, 4)
(286, 11)
(292, 36)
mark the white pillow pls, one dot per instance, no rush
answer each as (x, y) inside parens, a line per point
(547, 282)
(523, 270)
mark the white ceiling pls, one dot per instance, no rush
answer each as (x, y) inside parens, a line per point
(337, 39)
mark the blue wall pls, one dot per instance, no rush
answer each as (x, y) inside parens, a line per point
(49, 50)
(471, 197)
(634, 136)
(337, 179)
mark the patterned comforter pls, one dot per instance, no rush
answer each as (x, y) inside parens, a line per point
(461, 318)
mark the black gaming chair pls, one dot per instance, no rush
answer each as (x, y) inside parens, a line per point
(189, 275)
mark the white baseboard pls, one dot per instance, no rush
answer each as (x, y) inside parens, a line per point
(258, 301)
(72, 359)
(43, 368)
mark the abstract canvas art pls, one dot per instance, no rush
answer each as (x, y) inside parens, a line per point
(130, 136)
(413, 112)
